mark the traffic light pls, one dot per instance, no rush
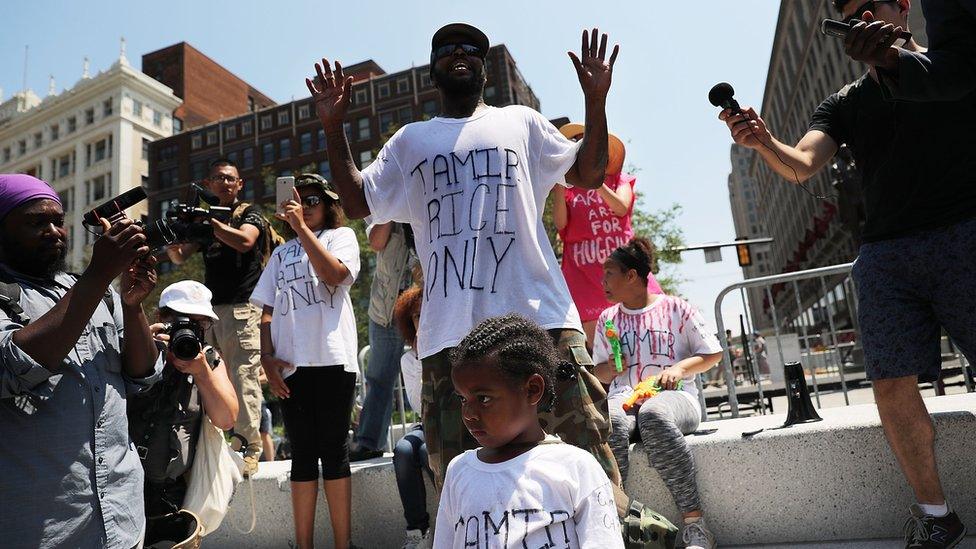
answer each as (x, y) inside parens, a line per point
(743, 253)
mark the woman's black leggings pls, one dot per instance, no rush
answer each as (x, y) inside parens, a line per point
(317, 416)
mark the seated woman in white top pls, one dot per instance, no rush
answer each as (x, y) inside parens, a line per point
(308, 350)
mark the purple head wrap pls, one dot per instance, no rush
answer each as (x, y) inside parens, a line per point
(18, 188)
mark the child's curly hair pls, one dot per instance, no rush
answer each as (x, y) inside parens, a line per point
(407, 305)
(517, 346)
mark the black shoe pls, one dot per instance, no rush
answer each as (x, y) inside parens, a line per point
(927, 532)
(362, 454)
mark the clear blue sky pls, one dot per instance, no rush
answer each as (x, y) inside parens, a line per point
(672, 52)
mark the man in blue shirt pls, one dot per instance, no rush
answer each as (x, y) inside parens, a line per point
(71, 349)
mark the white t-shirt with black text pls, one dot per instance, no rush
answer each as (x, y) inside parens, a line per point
(474, 190)
(313, 323)
(653, 339)
(411, 369)
(554, 495)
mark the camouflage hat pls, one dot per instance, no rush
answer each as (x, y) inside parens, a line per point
(317, 180)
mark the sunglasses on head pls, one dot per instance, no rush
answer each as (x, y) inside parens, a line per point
(870, 5)
(449, 49)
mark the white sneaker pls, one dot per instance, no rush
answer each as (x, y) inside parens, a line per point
(696, 536)
(416, 540)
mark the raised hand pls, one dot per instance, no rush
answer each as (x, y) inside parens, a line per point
(871, 42)
(747, 127)
(138, 281)
(116, 249)
(332, 95)
(592, 68)
(292, 211)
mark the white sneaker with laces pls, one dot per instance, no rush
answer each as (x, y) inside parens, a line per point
(416, 540)
(696, 536)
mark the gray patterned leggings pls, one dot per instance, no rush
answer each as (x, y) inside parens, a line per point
(663, 421)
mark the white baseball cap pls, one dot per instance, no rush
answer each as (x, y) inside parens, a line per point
(188, 297)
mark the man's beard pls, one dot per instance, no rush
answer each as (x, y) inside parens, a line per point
(473, 85)
(29, 262)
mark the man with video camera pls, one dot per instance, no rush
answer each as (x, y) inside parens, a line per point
(165, 421)
(914, 269)
(233, 262)
(71, 350)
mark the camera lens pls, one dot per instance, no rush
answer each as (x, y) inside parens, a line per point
(184, 344)
(158, 234)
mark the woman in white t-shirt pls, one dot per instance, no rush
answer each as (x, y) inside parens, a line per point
(308, 350)
(522, 487)
(659, 336)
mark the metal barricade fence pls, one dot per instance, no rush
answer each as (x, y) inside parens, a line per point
(396, 430)
(821, 298)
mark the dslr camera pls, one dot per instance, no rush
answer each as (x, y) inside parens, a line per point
(186, 337)
(184, 222)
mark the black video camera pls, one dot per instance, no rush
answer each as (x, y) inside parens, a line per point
(186, 338)
(184, 222)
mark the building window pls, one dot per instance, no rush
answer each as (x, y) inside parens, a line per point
(283, 117)
(97, 188)
(167, 153)
(177, 125)
(386, 121)
(137, 108)
(67, 199)
(267, 153)
(405, 115)
(157, 118)
(72, 124)
(212, 137)
(305, 143)
(196, 141)
(145, 149)
(324, 169)
(54, 169)
(107, 107)
(383, 90)
(303, 112)
(321, 139)
(365, 158)
(6, 154)
(230, 132)
(38, 140)
(361, 97)
(102, 150)
(363, 124)
(55, 131)
(246, 127)
(89, 116)
(198, 170)
(247, 158)
(64, 166)
(489, 92)
(425, 80)
(168, 178)
(430, 108)
(266, 122)
(403, 85)
(284, 149)
(22, 147)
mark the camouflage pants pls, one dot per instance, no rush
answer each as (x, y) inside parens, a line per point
(580, 416)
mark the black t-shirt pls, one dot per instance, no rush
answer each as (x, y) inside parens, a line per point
(231, 275)
(916, 161)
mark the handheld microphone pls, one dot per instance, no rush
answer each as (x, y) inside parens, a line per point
(721, 96)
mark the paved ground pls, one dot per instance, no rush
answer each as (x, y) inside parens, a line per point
(968, 543)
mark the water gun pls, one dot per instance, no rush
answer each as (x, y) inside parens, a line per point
(646, 389)
(611, 332)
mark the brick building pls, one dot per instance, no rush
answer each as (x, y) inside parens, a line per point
(286, 139)
(209, 91)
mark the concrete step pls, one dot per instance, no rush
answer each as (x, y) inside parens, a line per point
(968, 543)
(812, 485)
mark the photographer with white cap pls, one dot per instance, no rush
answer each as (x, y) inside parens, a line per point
(165, 421)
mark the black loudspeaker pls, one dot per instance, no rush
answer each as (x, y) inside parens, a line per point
(801, 409)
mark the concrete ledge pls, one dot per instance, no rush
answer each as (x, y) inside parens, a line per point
(831, 480)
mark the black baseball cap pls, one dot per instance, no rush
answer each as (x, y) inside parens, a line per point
(316, 180)
(477, 37)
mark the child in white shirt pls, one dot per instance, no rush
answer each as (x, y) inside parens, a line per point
(522, 487)
(659, 336)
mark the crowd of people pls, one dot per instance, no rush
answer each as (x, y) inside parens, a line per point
(532, 381)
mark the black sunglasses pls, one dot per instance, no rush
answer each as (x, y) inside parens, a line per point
(448, 49)
(311, 201)
(870, 5)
